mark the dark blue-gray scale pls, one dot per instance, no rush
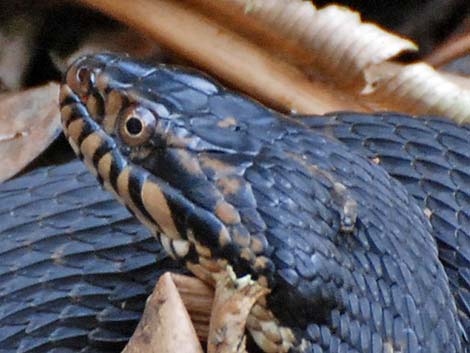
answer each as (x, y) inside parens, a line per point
(432, 159)
(327, 270)
(325, 274)
(68, 266)
(316, 271)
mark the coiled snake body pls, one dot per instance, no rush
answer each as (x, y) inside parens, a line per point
(348, 254)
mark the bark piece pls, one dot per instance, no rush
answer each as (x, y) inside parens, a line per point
(198, 299)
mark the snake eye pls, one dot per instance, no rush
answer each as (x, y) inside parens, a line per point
(136, 125)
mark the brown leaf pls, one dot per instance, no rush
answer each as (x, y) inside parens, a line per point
(339, 45)
(226, 54)
(29, 122)
(165, 326)
(233, 301)
(418, 89)
(312, 60)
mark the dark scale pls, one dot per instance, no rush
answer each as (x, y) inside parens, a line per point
(317, 201)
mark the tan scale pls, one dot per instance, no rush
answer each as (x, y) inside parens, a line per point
(156, 205)
(125, 198)
(247, 254)
(90, 144)
(271, 330)
(241, 237)
(261, 262)
(166, 242)
(256, 245)
(112, 107)
(229, 185)
(104, 169)
(210, 264)
(189, 163)
(267, 332)
(260, 313)
(93, 105)
(65, 114)
(219, 168)
(203, 250)
(200, 249)
(64, 93)
(74, 146)
(102, 82)
(123, 186)
(180, 247)
(75, 129)
(224, 237)
(88, 147)
(226, 212)
(74, 84)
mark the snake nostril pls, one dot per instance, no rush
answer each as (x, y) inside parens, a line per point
(85, 79)
(83, 74)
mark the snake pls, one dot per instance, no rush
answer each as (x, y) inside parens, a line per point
(355, 223)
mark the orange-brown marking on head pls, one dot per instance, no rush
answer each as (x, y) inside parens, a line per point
(229, 185)
(94, 105)
(75, 129)
(224, 237)
(156, 205)
(226, 212)
(90, 144)
(112, 107)
(189, 162)
(257, 245)
(241, 236)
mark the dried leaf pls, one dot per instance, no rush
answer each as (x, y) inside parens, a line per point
(233, 301)
(165, 326)
(29, 122)
(340, 44)
(226, 54)
(312, 61)
(417, 89)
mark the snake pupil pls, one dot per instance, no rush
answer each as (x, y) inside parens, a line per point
(134, 126)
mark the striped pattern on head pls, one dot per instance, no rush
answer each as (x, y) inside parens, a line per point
(142, 147)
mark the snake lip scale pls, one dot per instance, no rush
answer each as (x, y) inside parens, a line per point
(346, 252)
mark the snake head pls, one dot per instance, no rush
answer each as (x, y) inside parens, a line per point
(222, 181)
(157, 138)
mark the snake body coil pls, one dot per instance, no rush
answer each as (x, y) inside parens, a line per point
(348, 255)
